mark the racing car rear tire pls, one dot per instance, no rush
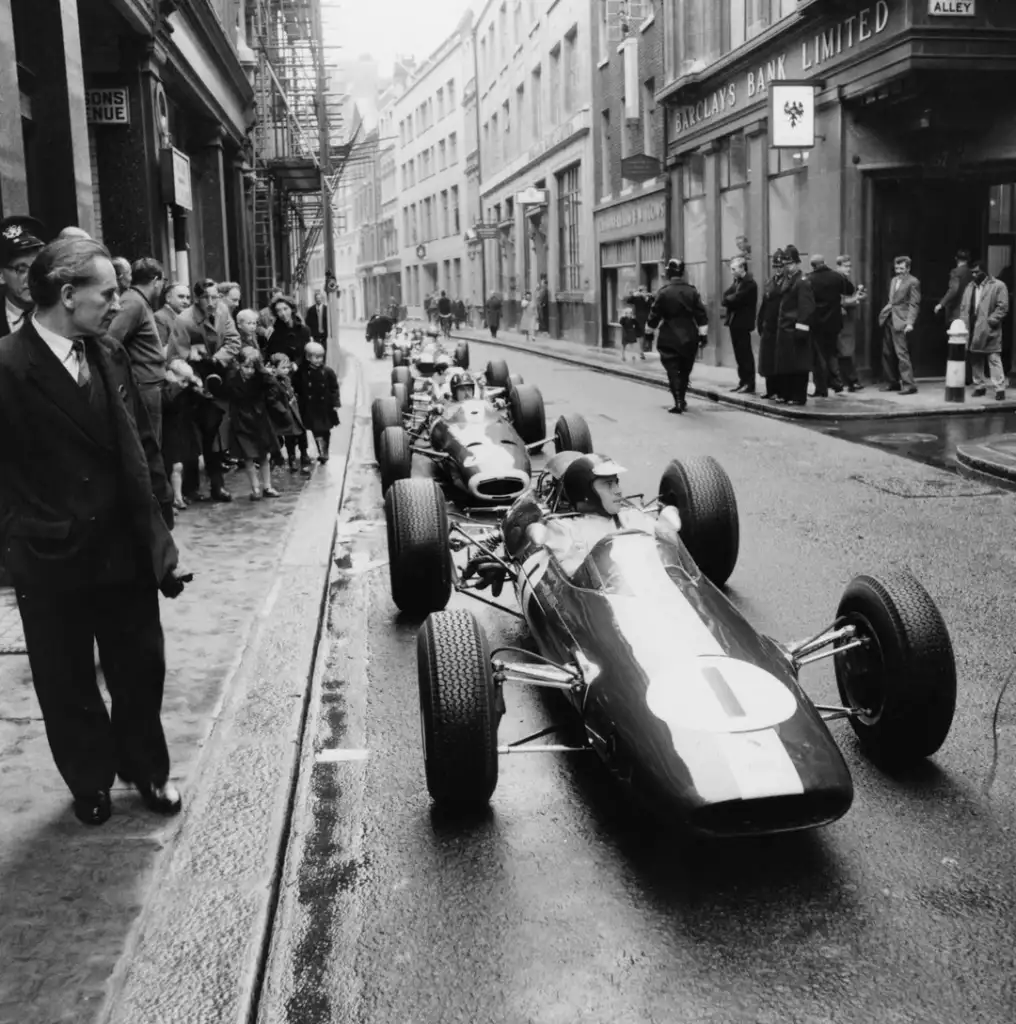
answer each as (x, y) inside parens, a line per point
(379, 348)
(401, 395)
(701, 491)
(462, 355)
(528, 415)
(384, 412)
(515, 379)
(398, 356)
(571, 434)
(395, 456)
(906, 677)
(497, 374)
(402, 375)
(458, 710)
(419, 555)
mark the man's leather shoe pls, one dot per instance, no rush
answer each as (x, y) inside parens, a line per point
(999, 396)
(855, 387)
(889, 387)
(740, 387)
(908, 391)
(978, 392)
(748, 390)
(94, 809)
(164, 799)
(221, 495)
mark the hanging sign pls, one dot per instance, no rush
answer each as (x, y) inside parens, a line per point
(953, 8)
(791, 115)
(175, 174)
(107, 106)
(639, 167)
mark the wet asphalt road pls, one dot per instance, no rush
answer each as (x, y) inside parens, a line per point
(563, 904)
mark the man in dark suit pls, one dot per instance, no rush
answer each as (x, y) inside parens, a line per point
(740, 301)
(317, 319)
(684, 325)
(829, 287)
(793, 330)
(20, 243)
(85, 519)
(897, 319)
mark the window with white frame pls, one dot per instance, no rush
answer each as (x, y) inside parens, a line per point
(453, 149)
(536, 102)
(520, 110)
(555, 85)
(442, 155)
(605, 177)
(569, 210)
(572, 58)
(506, 117)
(450, 90)
(649, 117)
(456, 227)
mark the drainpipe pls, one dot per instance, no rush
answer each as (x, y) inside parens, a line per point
(479, 176)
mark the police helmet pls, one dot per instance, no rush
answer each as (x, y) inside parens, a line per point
(462, 387)
(579, 477)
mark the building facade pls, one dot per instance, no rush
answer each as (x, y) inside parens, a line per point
(429, 176)
(630, 213)
(347, 238)
(915, 144)
(388, 269)
(130, 120)
(536, 158)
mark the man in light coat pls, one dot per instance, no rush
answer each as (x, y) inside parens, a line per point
(983, 309)
(897, 320)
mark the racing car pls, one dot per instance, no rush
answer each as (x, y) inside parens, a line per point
(479, 432)
(703, 717)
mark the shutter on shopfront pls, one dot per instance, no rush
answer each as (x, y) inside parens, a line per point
(93, 162)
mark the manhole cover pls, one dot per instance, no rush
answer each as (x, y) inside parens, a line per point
(900, 439)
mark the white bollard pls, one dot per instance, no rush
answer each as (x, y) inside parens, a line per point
(956, 363)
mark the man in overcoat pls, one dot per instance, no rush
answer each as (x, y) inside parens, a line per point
(317, 319)
(641, 302)
(494, 304)
(766, 324)
(740, 301)
(984, 307)
(683, 328)
(85, 519)
(897, 319)
(829, 288)
(793, 331)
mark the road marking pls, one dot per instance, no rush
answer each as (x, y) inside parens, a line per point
(331, 756)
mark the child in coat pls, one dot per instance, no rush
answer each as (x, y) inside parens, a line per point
(251, 387)
(181, 439)
(629, 332)
(285, 412)
(317, 389)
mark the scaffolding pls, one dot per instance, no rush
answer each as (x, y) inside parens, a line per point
(299, 149)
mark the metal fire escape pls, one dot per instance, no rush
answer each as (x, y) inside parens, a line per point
(299, 152)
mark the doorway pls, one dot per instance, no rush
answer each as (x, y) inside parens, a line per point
(929, 220)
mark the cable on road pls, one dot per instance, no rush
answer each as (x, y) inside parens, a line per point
(992, 771)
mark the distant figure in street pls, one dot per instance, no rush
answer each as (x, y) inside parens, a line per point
(494, 304)
(897, 319)
(19, 245)
(123, 273)
(793, 331)
(767, 324)
(317, 319)
(684, 328)
(983, 308)
(134, 326)
(317, 391)
(846, 342)
(460, 313)
(740, 301)
(543, 306)
(630, 334)
(85, 519)
(829, 288)
(641, 302)
(527, 322)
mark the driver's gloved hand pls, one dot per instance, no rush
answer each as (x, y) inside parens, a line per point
(489, 571)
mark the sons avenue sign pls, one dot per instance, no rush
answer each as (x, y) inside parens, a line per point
(814, 52)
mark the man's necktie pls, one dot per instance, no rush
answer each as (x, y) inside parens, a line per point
(84, 373)
(973, 307)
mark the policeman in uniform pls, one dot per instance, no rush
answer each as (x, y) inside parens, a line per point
(20, 243)
(681, 317)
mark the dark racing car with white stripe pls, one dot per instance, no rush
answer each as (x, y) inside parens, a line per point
(682, 699)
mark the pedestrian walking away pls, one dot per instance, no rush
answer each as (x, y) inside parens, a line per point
(897, 320)
(630, 334)
(683, 327)
(984, 307)
(494, 313)
(829, 288)
(793, 330)
(740, 301)
(767, 324)
(85, 520)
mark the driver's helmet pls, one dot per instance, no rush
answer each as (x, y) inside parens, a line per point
(425, 361)
(579, 477)
(462, 387)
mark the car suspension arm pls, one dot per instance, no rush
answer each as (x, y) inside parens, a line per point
(805, 652)
(525, 745)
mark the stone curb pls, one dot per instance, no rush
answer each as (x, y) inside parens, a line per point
(777, 412)
(977, 456)
(198, 949)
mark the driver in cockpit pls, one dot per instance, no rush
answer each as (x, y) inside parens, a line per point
(592, 486)
(462, 387)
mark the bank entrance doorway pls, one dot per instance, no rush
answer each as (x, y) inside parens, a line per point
(929, 220)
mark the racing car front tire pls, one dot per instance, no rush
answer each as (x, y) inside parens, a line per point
(402, 375)
(497, 374)
(384, 412)
(571, 434)
(701, 491)
(905, 678)
(419, 555)
(528, 415)
(458, 710)
(398, 356)
(462, 355)
(394, 457)
(401, 395)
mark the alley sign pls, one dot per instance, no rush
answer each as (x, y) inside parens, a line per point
(639, 167)
(485, 230)
(955, 8)
(107, 106)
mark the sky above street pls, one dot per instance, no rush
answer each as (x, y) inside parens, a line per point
(389, 28)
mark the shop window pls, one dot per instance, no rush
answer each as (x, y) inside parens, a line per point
(788, 200)
(619, 274)
(695, 224)
(569, 205)
(733, 159)
(605, 153)
(783, 160)
(695, 175)
(1000, 211)
(653, 256)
